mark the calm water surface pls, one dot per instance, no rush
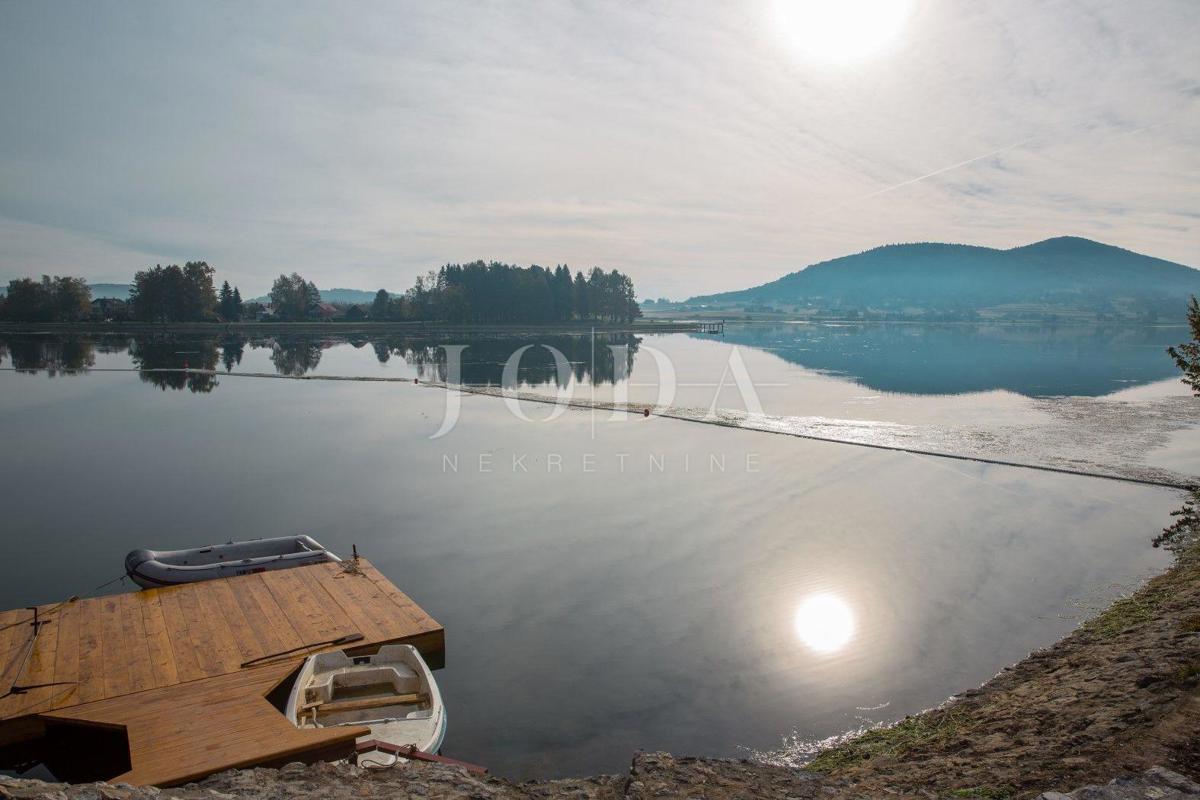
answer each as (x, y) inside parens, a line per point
(609, 584)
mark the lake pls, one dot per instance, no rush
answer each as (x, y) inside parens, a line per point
(612, 582)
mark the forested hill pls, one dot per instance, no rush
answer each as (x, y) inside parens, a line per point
(1065, 274)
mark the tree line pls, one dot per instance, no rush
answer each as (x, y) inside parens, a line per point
(478, 292)
(158, 294)
(57, 299)
(495, 292)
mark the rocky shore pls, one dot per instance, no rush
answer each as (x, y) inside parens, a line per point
(654, 775)
(1112, 711)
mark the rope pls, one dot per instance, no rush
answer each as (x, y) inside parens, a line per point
(120, 577)
(43, 618)
(488, 391)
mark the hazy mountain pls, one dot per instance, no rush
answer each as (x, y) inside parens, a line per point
(1065, 274)
(348, 296)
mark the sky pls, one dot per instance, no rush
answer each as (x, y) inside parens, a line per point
(697, 146)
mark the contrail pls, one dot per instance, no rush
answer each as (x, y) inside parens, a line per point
(911, 181)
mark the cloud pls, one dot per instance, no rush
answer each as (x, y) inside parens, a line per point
(683, 143)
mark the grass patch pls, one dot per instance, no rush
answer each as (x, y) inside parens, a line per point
(905, 736)
(988, 792)
(1145, 603)
(1127, 612)
(1187, 672)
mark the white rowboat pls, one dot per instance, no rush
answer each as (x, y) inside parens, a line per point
(392, 692)
(153, 568)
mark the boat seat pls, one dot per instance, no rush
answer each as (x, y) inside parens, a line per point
(400, 678)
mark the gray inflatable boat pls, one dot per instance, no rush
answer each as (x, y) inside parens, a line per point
(154, 568)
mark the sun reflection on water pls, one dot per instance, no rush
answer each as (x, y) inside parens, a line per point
(824, 623)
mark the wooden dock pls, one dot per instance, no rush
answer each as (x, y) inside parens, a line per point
(166, 665)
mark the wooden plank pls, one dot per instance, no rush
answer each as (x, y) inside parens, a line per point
(210, 636)
(137, 644)
(271, 625)
(91, 656)
(115, 649)
(66, 657)
(189, 665)
(339, 620)
(310, 617)
(195, 637)
(39, 669)
(412, 611)
(14, 637)
(428, 635)
(372, 595)
(246, 640)
(371, 613)
(365, 703)
(158, 642)
(221, 642)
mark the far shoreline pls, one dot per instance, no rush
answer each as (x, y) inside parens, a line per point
(710, 324)
(363, 327)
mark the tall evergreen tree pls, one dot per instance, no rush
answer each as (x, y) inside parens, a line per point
(379, 306)
(1187, 355)
(225, 302)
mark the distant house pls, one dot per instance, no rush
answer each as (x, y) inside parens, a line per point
(109, 309)
(327, 310)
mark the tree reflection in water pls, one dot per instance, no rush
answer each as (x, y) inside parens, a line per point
(232, 346)
(54, 355)
(167, 352)
(296, 356)
(162, 358)
(484, 359)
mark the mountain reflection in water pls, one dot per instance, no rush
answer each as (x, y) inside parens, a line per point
(1031, 360)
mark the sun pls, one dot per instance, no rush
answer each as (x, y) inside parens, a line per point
(824, 622)
(840, 31)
